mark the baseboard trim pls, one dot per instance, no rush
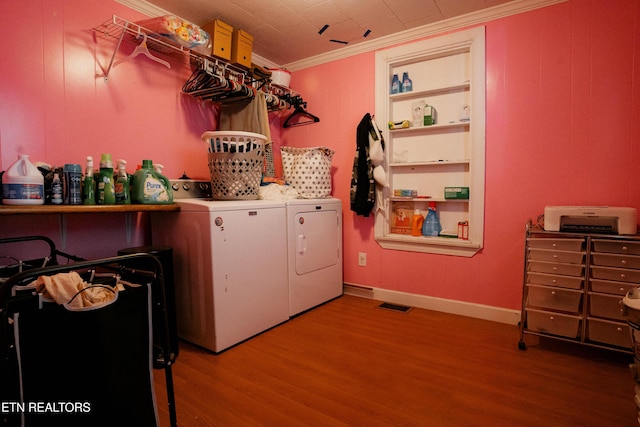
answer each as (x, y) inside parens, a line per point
(462, 308)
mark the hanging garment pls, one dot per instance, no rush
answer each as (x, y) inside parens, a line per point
(363, 194)
(250, 115)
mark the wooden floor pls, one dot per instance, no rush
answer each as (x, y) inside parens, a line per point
(351, 363)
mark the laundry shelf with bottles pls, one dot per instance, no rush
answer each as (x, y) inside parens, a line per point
(82, 209)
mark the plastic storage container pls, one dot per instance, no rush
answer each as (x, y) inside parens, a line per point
(22, 183)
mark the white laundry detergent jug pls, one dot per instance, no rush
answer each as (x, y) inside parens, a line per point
(22, 183)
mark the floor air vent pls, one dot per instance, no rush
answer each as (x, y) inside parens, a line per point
(395, 307)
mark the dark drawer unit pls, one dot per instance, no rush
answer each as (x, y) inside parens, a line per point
(574, 284)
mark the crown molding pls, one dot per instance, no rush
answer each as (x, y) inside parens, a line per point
(470, 19)
(507, 9)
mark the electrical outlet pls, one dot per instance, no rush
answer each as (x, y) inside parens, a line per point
(362, 259)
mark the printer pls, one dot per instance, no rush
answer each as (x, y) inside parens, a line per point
(591, 219)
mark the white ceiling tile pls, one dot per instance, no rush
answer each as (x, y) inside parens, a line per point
(286, 31)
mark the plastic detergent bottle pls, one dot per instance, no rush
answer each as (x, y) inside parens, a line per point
(158, 168)
(122, 184)
(431, 225)
(22, 183)
(89, 185)
(56, 190)
(150, 187)
(407, 84)
(416, 223)
(395, 84)
(72, 184)
(106, 187)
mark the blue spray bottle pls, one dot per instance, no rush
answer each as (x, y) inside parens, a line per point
(431, 225)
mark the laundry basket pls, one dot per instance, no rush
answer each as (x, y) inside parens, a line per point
(236, 162)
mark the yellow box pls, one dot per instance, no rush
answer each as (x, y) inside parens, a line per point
(221, 34)
(241, 48)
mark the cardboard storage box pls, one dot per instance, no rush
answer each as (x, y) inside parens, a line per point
(456, 192)
(221, 34)
(241, 47)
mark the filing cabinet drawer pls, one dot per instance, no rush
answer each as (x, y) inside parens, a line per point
(618, 274)
(559, 244)
(616, 260)
(221, 34)
(553, 298)
(610, 287)
(241, 48)
(568, 282)
(564, 325)
(556, 268)
(609, 306)
(554, 255)
(616, 247)
(608, 332)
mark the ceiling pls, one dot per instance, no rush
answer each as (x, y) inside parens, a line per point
(286, 31)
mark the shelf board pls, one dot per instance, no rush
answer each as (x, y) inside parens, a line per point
(429, 163)
(83, 209)
(431, 128)
(436, 245)
(426, 199)
(429, 92)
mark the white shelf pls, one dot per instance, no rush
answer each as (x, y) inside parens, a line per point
(448, 73)
(429, 92)
(431, 163)
(431, 128)
(427, 199)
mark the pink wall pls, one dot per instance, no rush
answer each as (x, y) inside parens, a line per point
(560, 102)
(561, 95)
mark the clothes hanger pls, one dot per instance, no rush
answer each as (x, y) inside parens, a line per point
(142, 49)
(300, 111)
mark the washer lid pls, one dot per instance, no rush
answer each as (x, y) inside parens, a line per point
(203, 205)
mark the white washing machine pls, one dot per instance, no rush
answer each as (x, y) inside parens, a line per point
(230, 268)
(314, 233)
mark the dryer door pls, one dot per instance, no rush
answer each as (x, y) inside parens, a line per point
(317, 235)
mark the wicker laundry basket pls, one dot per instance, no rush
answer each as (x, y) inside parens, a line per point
(236, 163)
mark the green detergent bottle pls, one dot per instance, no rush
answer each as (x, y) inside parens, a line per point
(151, 187)
(106, 188)
(122, 184)
(89, 185)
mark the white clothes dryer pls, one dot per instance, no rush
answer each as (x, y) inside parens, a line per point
(314, 234)
(230, 268)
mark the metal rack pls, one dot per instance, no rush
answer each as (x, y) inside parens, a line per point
(565, 295)
(237, 83)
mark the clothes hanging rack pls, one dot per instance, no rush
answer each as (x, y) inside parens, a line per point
(299, 110)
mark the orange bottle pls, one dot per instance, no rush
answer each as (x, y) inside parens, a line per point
(416, 223)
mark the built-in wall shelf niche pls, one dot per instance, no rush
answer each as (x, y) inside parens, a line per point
(448, 74)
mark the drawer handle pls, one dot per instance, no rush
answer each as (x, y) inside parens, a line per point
(555, 245)
(624, 248)
(553, 293)
(622, 275)
(551, 318)
(619, 329)
(624, 261)
(554, 281)
(621, 289)
(555, 256)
